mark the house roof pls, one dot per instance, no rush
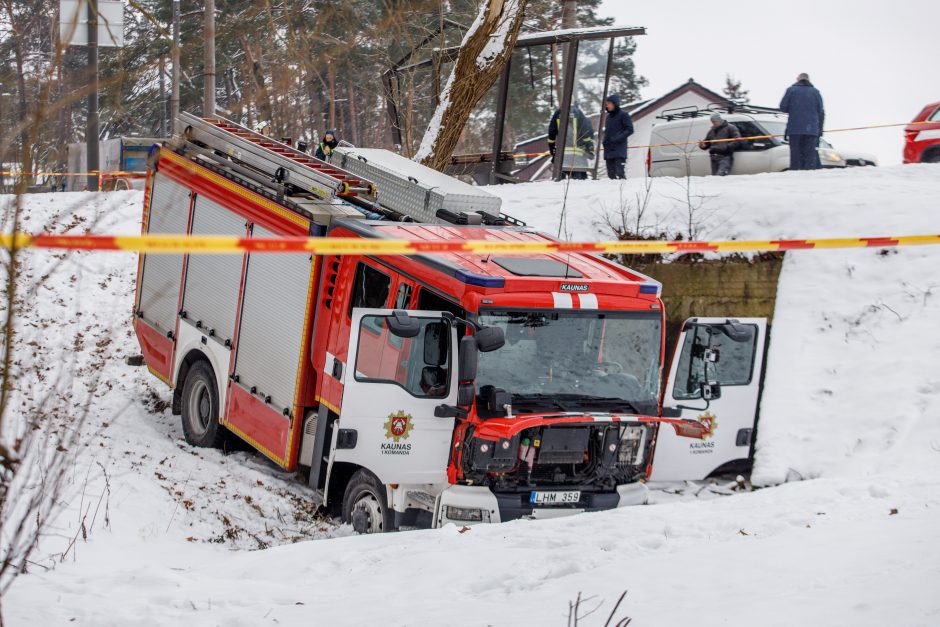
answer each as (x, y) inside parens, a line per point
(641, 109)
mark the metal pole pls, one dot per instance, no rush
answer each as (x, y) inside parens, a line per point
(500, 119)
(3, 143)
(91, 129)
(603, 117)
(571, 57)
(175, 59)
(208, 98)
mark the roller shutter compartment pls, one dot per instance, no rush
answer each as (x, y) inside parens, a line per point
(161, 274)
(213, 281)
(271, 330)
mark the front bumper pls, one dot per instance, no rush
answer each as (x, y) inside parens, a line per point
(456, 501)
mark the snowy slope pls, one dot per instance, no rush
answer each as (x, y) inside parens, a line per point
(852, 400)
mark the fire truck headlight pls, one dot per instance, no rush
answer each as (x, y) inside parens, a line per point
(464, 514)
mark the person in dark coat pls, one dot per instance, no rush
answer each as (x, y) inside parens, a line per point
(721, 152)
(582, 151)
(617, 129)
(327, 144)
(804, 105)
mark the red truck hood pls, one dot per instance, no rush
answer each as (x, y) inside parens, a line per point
(504, 428)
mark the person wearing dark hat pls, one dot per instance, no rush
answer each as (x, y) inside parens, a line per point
(803, 105)
(327, 144)
(617, 129)
(721, 141)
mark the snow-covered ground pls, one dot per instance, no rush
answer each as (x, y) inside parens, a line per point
(851, 404)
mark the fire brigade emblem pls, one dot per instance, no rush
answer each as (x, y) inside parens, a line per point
(710, 420)
(398, 426)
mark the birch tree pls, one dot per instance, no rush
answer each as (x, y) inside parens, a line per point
(483, 53)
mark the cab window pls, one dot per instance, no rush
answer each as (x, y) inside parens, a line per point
(420, 365)
(370, 289)
(735, 364)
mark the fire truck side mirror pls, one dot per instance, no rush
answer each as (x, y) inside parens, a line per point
(711, 390)
(402, 325)
(490, 339)
(467, 359)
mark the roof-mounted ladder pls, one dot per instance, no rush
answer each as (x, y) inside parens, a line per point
(278, 163)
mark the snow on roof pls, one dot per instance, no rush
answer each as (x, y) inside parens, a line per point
(588, 32)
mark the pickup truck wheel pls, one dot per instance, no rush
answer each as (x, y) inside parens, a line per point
(201, 408)
(365, 506)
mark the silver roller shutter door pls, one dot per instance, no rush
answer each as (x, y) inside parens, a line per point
(213, 281)
(161, 274)
(272, 323)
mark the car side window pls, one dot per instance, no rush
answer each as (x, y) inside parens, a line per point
(749, 129)
(935, 117)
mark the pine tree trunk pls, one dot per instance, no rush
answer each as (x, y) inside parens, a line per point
(484, 52)
(331, 77)
(353, 114)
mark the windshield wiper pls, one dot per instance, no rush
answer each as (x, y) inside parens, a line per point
(598, 401)
(572, 402)
(538, 401)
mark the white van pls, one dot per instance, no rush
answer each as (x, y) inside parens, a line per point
(675, 150)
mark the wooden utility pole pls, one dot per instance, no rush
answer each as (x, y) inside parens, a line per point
(91, 127)
(162, 70)
(175, 59)
(569, 19)
(208, 98)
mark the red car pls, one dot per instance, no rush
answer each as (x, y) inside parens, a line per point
(922, 141)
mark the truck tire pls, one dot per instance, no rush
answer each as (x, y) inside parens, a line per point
(365, 505)
(200, 405)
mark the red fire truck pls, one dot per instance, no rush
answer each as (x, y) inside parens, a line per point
(439, 388)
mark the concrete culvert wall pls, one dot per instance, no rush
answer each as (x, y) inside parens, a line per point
(733, 286)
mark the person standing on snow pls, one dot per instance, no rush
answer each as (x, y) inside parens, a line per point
(327, 144)
(804, 105)
(578, 154)
(617, 129)
(721, 152)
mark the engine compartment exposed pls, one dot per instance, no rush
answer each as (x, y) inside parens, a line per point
(594, 456)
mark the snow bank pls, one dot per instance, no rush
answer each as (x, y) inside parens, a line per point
(851, 400)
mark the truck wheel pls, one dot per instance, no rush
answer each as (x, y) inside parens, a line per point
(201, 408)
(365, 506)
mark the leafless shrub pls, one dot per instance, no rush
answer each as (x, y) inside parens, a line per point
(581, 608)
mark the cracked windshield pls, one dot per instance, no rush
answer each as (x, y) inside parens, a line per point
(555, 361)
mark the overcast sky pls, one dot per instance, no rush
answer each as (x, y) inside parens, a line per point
(875, 62)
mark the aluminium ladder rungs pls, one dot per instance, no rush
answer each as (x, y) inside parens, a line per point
(267, 155)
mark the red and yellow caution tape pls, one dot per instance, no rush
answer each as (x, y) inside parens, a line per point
(179, 244)
(93, 173)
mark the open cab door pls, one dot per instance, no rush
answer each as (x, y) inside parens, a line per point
(715, 379)
(394, 381)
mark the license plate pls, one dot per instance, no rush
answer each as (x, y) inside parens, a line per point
(555, 498)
